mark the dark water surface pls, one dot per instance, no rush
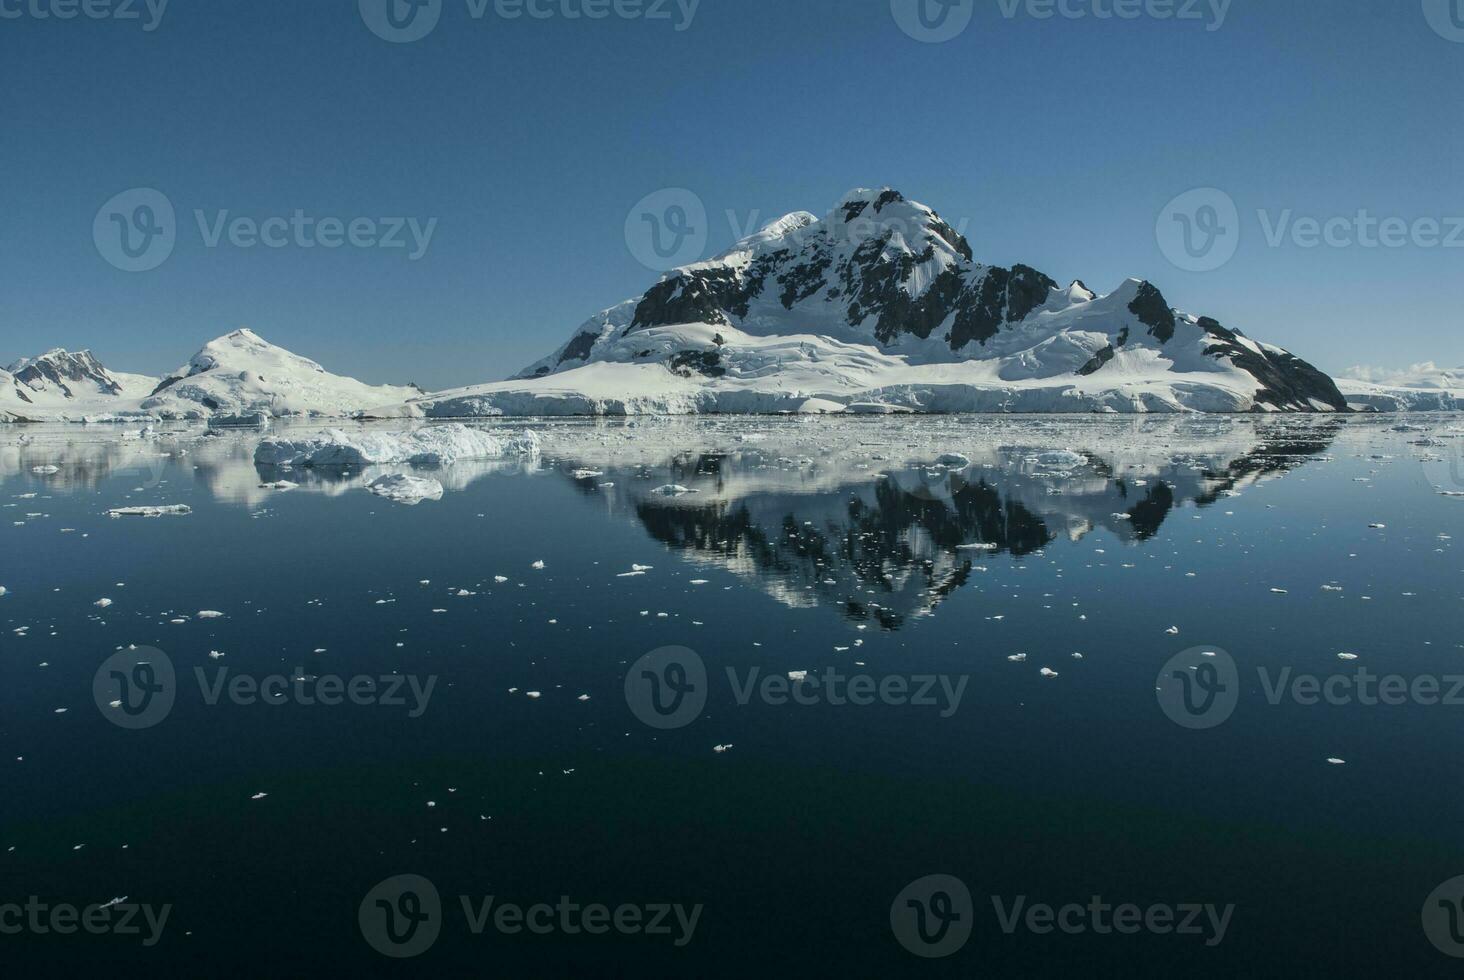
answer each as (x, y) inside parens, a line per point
(1271, 545)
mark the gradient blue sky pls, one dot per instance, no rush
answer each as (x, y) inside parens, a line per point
(1057, 142)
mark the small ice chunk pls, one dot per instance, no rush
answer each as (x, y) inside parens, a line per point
(102, 603)
(403, 488)
(166, 510)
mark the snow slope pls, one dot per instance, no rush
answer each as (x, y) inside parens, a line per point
(880, 305)
(241, 373)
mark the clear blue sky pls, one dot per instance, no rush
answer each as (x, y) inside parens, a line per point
(1057, 142)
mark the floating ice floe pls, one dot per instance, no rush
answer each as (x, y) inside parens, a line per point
(1047, 672)
(798, 675)
(45, 470)
(166, 510)
(1060, 459)
(102, 603)
(721, 748)
(434, 445)
(674, 490)
(279, 485)
(403, 488)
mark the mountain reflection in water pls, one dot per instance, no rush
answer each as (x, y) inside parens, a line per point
(889, 542)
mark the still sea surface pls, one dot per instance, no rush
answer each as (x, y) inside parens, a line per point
(1083, 697)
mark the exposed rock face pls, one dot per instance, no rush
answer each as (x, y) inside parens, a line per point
(68, 374)
(891, 274)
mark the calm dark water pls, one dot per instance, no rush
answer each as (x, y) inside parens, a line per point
(809, 546)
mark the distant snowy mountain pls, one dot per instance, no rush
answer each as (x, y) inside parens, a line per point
(242, 373)
(881, 306)
(66, 382)
(237, 374)
(1422, 388)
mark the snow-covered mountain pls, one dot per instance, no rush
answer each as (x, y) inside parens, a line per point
(241, 373)
(65, 382)
(1424, 387)
(237, 374)
(881, 306)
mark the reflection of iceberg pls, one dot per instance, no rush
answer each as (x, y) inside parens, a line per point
(879, 529)
(83, 457)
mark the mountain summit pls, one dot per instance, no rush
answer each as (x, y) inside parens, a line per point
(881, 305)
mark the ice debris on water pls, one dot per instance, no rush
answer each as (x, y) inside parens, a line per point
(433, 445)
(166, 510)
